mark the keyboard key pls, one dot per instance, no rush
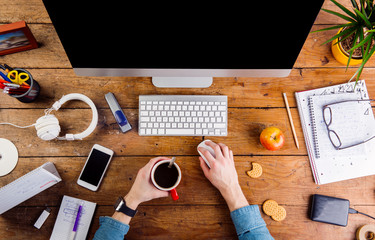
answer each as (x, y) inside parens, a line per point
(179, 131)
(145, 119)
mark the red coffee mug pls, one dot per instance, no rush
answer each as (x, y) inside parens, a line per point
(172, 189)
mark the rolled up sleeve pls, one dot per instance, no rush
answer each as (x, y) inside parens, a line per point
(249, 223)
(111, 229)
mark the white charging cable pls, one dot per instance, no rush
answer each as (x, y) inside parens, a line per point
(46, 112)
(14, 125)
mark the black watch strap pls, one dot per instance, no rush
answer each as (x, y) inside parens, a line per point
(120, 206)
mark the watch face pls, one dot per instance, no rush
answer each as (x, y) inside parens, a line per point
(119, 203)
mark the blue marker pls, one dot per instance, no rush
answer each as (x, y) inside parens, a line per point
(5, 77)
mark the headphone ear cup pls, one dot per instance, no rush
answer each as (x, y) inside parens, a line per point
(49, 132)
(47, 127)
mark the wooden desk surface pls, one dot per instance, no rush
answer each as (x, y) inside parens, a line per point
(200, 213)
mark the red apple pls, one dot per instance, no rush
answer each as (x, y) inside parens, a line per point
(272, 138)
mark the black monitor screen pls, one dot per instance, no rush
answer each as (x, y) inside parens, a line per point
(184, 35)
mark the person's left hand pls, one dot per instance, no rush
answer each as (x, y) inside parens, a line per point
(143, 190)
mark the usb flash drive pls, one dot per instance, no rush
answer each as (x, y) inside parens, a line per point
(117, 112)
(42, 218)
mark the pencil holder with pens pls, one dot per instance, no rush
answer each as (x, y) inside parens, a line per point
(21, 85)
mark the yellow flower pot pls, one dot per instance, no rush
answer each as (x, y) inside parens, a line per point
(340, 55)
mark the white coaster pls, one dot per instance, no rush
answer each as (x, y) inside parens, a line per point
(8, 156)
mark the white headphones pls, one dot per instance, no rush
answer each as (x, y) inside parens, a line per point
(48, 127)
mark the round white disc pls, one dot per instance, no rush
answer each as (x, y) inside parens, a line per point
(8, 156)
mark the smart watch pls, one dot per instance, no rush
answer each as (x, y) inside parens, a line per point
(120, 206)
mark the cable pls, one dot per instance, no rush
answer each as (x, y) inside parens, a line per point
(353, 211)
(14, 125)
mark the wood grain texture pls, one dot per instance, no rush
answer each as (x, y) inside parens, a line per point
(200, 213)
(202, 222)
(241, 92)
(245, 127)
(282, 175)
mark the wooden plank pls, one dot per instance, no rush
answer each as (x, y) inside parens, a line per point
(245, 126)
(286, 179)
(241, 92)
(188, 222)
(31, 11)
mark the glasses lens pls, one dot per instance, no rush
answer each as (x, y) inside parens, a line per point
(327, 115)
(335, 140)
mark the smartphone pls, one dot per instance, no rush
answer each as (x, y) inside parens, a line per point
(95, 167)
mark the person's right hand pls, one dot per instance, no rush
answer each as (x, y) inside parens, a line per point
(223, 174)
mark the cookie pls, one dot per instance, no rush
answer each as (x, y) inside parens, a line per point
(270, 207)
(256, 171)
(280, 214)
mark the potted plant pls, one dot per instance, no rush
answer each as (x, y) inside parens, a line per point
(354, 42)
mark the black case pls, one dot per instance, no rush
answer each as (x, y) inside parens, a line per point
(330, 210)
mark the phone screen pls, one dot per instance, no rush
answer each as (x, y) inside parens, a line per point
(95, 167)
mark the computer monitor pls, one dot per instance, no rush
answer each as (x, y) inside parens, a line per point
(183, 43)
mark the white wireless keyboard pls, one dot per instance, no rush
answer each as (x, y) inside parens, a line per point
(183, 115)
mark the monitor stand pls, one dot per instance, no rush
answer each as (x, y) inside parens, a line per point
(182, 82)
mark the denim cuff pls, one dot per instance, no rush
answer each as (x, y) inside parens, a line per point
(247, 218)
(111, 229)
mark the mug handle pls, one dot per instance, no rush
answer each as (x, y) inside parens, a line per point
(174, 194)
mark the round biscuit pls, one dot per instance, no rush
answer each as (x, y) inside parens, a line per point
(280, 214)
(270, 207)
(256, 171)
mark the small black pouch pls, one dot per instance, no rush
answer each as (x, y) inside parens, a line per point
(330, 210)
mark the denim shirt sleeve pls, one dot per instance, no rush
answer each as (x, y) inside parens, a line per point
(111, 229)
(249, 224)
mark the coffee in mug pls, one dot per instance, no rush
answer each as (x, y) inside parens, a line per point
(165, 178)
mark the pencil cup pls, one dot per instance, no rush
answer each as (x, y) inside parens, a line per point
(33, 91)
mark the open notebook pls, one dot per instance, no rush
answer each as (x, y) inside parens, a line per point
(67, 215)
(352, 124)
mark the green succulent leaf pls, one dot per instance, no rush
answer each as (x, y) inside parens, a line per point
(335, 27)
(349, 19)
(347, 11)
(346, 32)
(354, 3)
(364, 18)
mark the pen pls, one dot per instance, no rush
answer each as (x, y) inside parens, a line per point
(74, 231)
(7, 69)
(291, 120)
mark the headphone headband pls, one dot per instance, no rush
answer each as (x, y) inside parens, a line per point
(56, 106)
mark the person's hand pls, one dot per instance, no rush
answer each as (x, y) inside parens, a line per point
(223, 174)
(143, 190)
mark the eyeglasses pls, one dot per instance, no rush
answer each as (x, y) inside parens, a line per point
(333, 136)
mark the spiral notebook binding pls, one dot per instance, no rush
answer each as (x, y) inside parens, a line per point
(313, 127)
